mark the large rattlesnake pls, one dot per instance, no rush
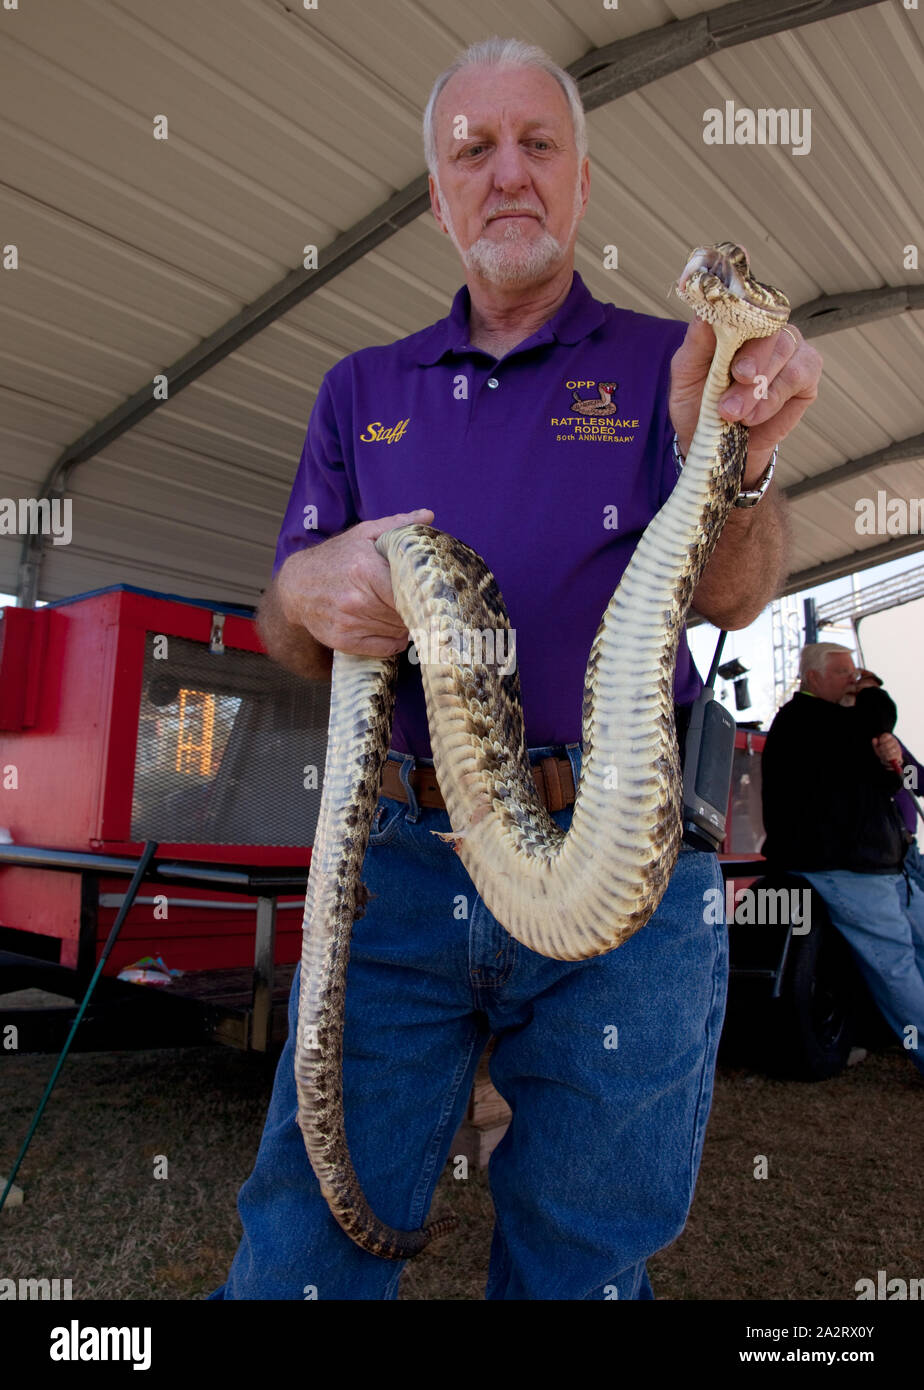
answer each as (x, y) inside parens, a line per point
(566, 895)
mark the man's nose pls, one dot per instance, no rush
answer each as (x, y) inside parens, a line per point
(511, 172)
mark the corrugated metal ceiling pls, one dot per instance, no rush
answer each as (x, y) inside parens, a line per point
(288, 125)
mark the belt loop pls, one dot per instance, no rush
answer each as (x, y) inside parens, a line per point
(404, 772)
(574, 757)
(553, 790)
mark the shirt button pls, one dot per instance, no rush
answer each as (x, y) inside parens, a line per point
(493, 382)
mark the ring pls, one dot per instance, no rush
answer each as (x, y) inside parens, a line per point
(787, 329)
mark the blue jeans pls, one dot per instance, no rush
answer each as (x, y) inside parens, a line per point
(882, 917)
(597, 1169)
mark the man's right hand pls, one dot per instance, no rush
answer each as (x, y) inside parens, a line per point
(340, 590)
(889, 752)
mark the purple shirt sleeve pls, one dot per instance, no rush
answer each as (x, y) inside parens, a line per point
(911, 761)
(904, 799)
(322, 503)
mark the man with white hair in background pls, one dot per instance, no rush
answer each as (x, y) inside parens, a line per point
(830, 771)
(477, 421)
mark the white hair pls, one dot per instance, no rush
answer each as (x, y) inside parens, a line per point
(508, 53)
(815, 655)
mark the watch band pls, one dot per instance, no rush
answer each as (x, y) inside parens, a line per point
(747, 497)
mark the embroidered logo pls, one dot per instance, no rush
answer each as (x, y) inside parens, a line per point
(593, 401)
(600, 404)
(376, 433)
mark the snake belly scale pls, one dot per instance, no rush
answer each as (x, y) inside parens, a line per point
(565, 895)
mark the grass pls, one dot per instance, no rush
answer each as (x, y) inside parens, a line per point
(843, 1198)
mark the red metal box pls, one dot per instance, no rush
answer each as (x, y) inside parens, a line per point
(127, 716)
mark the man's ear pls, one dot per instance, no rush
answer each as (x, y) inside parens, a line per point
(435, 204)
(585, 184)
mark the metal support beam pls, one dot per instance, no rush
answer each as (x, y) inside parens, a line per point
(906, 587)
(853, 563)
(628, 64)
(834, 311)
(351, 246)
(898, 452)
(602, 75)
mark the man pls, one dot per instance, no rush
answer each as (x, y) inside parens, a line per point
(829, 782)
(476, 421)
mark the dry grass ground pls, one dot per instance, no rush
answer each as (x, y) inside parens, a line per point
(844, 1195)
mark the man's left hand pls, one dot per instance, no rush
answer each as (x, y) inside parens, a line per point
(774, 381)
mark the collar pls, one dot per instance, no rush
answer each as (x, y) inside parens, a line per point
(574, 319)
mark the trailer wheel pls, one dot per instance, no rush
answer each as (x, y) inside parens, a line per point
(811, 1026)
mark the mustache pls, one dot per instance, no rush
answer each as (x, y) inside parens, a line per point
(503, 208)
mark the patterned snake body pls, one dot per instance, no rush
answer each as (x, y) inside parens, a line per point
(565, 895)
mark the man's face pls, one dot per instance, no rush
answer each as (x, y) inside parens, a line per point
(512, 192)
(837, 682)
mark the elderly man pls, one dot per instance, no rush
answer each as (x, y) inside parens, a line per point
(477, 421)
(829, 781)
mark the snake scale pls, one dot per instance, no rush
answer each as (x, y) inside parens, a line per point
(565, 895)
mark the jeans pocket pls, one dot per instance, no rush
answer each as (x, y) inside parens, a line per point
(388, 818)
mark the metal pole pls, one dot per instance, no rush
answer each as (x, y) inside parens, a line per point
(713, 669)
(147, 855)
(263, 973)
(811, 621)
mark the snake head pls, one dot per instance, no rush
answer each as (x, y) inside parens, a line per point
(717, 283)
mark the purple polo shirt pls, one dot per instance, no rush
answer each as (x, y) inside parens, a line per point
(532, 460)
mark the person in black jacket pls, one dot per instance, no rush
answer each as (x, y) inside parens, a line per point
(830, 773)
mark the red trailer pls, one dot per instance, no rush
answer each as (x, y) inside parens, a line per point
(128, 716)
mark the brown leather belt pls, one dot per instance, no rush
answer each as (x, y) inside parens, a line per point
(554, 782)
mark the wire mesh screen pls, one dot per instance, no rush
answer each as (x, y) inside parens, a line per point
(230, 748)
(747, 828)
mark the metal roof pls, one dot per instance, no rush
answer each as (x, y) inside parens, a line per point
(289, 127)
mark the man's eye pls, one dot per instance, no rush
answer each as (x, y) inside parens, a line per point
(473, 150)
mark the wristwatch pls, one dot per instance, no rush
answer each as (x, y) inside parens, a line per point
(747, 497)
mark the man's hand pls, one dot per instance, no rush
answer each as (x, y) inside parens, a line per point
(889, 751)
(792, 370)
(340, 590)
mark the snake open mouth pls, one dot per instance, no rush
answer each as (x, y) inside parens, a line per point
(712, 273)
